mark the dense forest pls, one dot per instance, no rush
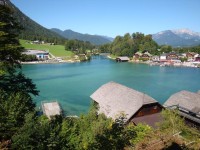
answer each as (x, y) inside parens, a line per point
(21, 127)
(128, 45)
(78, 47)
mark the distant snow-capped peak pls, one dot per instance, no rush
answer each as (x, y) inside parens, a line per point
(186, 31)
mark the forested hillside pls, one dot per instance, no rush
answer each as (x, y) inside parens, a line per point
(93, 39)
(34, 31)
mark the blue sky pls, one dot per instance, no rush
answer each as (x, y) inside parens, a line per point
(113, 17)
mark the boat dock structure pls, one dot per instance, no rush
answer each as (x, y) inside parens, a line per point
(51, 108)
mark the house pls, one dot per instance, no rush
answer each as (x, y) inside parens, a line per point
(188, 104)
(137, 55)
(146, 56)
(190, 56)
(122, 59)
(115, 100)
(155, 58)
(163, 57)
(172, 56)
(197, 58)
(40, 54)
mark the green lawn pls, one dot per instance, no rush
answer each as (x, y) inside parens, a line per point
(56, 50)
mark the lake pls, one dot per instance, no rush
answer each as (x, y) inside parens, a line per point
(71, 84)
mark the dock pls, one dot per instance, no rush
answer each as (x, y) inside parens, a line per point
(51, 108)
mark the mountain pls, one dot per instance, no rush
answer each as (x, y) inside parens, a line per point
(177, 38)
(94, 39)
(32, 30)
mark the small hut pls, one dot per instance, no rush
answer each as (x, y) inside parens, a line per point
(188, 104)
(122, 59)
(51, 109)
(115, 99)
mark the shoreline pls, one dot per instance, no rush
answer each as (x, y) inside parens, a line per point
(49, 62)
(166, 64)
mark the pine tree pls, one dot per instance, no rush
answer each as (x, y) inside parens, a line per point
(15, 88)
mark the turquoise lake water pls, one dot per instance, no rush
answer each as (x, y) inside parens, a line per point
(71, 84)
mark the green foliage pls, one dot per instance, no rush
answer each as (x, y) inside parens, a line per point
(10, 49)
(26, 58)
(195, 49)
(13, 108)
(172, 121)
(140, 131)
(79, 47)
(128, 45)
(15, 88)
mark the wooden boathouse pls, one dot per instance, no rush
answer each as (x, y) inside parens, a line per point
(51, 109)
(122, 59)
(188, 105)
(115, 100)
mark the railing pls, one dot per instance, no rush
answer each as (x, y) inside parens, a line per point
(185, 110)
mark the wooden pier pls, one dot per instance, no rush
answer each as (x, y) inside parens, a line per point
(51, 108)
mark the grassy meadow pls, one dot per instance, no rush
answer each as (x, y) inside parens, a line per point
(56, 50)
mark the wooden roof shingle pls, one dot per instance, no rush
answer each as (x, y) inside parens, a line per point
(185, 99)
(115, 99)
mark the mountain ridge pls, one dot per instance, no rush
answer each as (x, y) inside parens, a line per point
(31, 29)
(70, 34)
(177, 38)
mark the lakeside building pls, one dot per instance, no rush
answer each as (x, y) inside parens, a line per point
(51, 109)
(197, 58)
(40, 54)
(139, 55)
(190, 56)
(122, 59)
(188, 104)
(115, 100)
(146, 56)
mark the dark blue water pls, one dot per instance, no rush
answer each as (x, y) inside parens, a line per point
(72, 84)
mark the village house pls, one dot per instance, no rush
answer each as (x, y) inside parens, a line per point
(40, 54)
(190, 56)
(137, 55)
(155, 58)
(163, 57)
(197, 58)
(143, 56)
(115, 100)
(188, 104)
(172, 56)
(146, 56)
(122, 59)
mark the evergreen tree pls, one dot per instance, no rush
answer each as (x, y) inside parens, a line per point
(15, 88)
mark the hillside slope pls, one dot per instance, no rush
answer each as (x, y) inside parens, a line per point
(32, 30)
(94, 39)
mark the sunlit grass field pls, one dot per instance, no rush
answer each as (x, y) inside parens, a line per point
(56, 50)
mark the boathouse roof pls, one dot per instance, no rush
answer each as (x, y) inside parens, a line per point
(188, 104)
(51, 108)
(123, 58)
(115, 99)
(184, 99)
